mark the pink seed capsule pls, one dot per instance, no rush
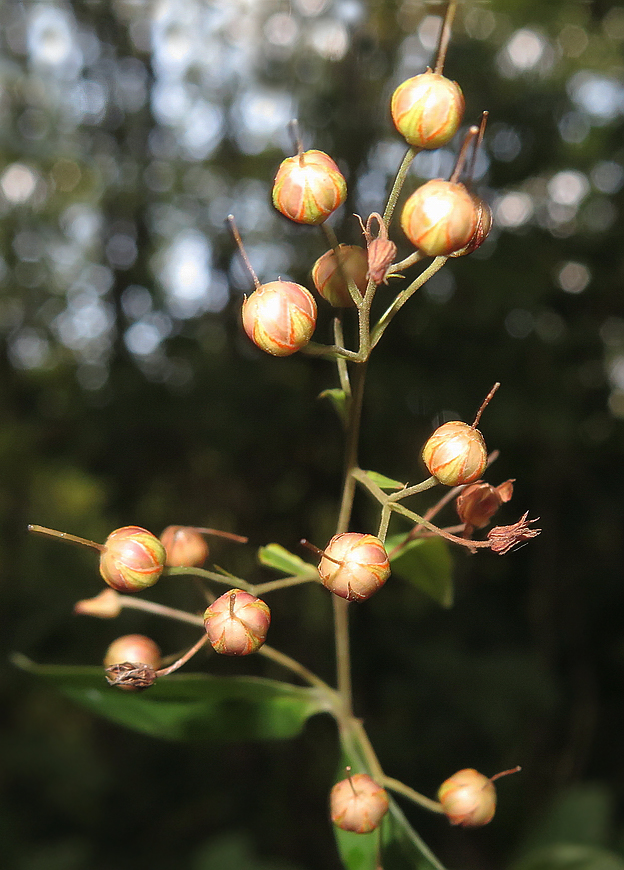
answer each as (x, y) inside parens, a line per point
(185, 546)
(455, 453)
(440, 217)
(328, 278)
(308, 187)
(358, 804)
(133, 648)
(354, 565)
(237, 623)
(427, 110)
(279, 317)
(132, 559)
(468, 798)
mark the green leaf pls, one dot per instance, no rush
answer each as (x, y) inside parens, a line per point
(278, 557)
(401, 847)
(569, 856)
(427, 564)
(338, 398)
(190, 707)
(384, 482)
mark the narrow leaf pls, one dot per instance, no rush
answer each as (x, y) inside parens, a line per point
(384, 482)
(190, 707)
(338, 399)
(427, 564)
(278, 557)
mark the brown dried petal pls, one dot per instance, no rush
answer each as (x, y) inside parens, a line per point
(505, 538)
(131, 676)
(381, 254)
(477, 503)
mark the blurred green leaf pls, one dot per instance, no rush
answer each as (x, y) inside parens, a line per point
(401, 847)
(233, 851)
(570, 856)
(582, 814)
(338, 399)
(384, 482)
(190, 707)
(278, 557)
(427, 564)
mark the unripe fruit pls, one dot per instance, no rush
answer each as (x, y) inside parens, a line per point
(237, 623)
(455, 453)
(328, 278)
(440, 217)
(354, 565)
(132, 559)
(358, 804)
(279, 317)
(133, 648)
(308, 187)
(427, 110)
(468, 798)
(185, 547)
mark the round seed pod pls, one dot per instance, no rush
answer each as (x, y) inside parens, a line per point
(308, 187)
(132, 559)
(185, 546)
(133, 648)
(427, 110)
(468, 798)
(358, 804)
(440, 217)
(354, 565)
(237, 623)
(279, 317)
(455, 453)
(328, 278)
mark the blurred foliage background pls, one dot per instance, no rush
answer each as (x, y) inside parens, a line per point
(128, 395)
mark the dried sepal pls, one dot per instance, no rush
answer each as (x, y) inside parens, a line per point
(106, 605)
(505, 538)
(130, 677)
(478, 502)
(131, 662)
(381, 251)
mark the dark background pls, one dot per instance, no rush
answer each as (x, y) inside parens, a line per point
(128, 395)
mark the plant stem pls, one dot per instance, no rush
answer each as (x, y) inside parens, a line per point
(160, 610)
(415, 796)
(65, 536)
(399, 181)
(164, 672)
(286, 582)
(295, 667)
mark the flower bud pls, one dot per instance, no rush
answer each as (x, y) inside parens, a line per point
(455, 453)
(237, 623)
(328, 278)
(427, 109)
(131, 662)
(440, 217)
(468, 798)
(477, 503)
(132, 559)
(185, 547)
(279, 317)
(354, 565)
(482, 230)
(308, 187)
(106, 605)
(358, 804)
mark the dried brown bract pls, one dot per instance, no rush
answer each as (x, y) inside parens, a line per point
(504, 538)
(381, 251)
(131, 676)
(477, 503)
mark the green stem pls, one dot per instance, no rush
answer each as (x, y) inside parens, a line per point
(286, 582)
(415, 796)
(403, 297)
(399, 181)
(160, 610)
(224, 579)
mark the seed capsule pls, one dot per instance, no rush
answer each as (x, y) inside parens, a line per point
(132, 559)
(358, 804)
(131, 662)
(354, 566)
(237, 623)
(440, 217)
(427, 109)
(308, 187)
(477, 503)
(455, 453)
(482, 231)
(133, 648)
(185, 546)
(468, 798)
(328, 278)
(279, 317)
